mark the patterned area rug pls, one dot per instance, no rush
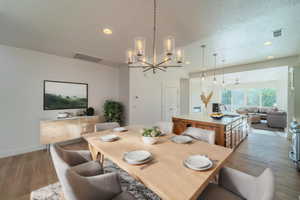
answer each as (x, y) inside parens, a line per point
(137, 189)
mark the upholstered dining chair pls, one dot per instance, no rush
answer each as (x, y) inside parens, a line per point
(106, 125)
(236, 185)
(86, 186)
(165, 127)
(201, 134)
(64, 159)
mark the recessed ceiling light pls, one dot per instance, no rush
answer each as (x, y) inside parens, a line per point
(107, 31)
(187, 62)
(270, 57)
(268, 43)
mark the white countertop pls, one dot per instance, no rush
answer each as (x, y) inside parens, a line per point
(206, 118)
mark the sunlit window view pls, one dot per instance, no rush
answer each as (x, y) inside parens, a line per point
(236, 98)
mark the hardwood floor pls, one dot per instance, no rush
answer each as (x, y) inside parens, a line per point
(21, 174)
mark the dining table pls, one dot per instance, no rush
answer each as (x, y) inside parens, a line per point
(166, 174)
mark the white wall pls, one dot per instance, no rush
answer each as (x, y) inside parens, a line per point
(21, 92)
(146, 94)
(124, 91)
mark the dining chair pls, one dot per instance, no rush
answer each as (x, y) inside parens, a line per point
(165, 127)
(73, 157)
(64, 159)
(101, 186)
(106, 125)
(201, 134)
(236, 185)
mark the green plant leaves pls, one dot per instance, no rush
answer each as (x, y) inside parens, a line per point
(113, 111)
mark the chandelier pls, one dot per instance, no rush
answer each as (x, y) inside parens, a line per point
(137, 59)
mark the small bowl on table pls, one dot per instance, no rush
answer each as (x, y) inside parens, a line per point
(217, 116)
(150, 140)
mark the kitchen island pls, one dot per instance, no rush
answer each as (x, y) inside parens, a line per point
(230, 131)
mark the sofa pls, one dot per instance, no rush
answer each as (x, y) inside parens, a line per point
(275, 118)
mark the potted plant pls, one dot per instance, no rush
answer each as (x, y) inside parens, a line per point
(150, 135)
(113, 111)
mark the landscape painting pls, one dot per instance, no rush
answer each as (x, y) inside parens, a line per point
(65, 95)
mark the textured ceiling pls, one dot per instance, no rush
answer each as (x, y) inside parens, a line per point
(236, 29)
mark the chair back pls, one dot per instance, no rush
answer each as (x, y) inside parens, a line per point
(61, 168)
(106, 125)
(265, 186)
(204, 135)
(165, 127)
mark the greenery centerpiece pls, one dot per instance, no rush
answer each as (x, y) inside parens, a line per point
(150, 135)
(113, 111)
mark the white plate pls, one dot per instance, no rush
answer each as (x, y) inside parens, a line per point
(198, 169)
(198, 162)
(109, 138)
(181, 139)
(138, 162)
(137, 156)
(119, 129)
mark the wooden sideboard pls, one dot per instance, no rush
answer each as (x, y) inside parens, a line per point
(230, 131)
(59, 130)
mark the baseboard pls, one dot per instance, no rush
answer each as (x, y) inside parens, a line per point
(13, 152)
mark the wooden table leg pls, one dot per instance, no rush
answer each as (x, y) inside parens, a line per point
(96, 155)
(94, 152)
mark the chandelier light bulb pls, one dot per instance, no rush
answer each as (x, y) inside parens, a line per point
(129, 55)
(179, 55)
(140, 45)
(169, 45)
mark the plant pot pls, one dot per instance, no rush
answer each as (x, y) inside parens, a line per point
(150, 140)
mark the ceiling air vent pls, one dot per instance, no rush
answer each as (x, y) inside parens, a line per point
(87, 58)
(277, 33)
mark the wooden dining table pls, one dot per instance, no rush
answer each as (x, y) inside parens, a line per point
(165, 174)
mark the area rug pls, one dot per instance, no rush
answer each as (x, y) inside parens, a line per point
(128, 183)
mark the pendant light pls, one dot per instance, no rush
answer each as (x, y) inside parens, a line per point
(223, 79)
(215, 78)
(203, 50)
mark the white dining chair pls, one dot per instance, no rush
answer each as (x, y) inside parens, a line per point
(236, 185)
(106, 125)
(165, 127)
(201, 134)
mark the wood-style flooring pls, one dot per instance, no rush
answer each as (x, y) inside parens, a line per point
(21, 174)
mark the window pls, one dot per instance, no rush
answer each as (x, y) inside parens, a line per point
(268, 97)
(253, 97)
(237, 98)
(226, 97)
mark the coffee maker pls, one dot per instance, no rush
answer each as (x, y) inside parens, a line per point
(216, 108)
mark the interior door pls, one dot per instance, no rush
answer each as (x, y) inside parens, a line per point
(171, 102)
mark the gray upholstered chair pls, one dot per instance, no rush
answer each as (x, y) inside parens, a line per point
(165, 127)
(82, 180)
(236, 185)
(64, 159)
(99, 187)
(106, 125)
